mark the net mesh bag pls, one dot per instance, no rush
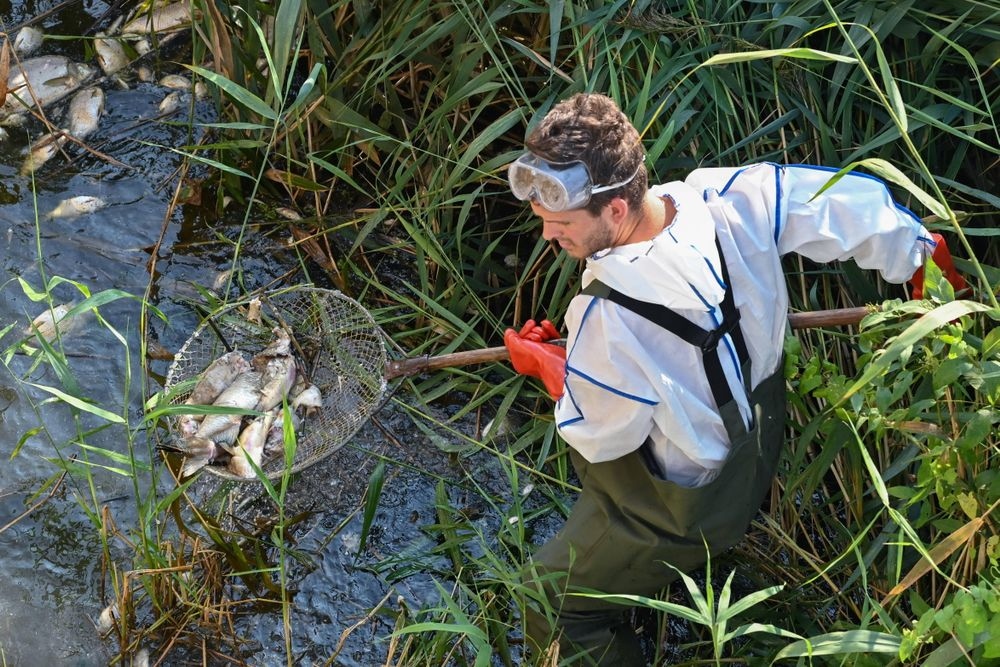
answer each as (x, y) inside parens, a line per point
(338, 344)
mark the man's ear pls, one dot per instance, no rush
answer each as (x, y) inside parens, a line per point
(618, 209)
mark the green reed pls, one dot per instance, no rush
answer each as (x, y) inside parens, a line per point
(387, 129)
(425, 102)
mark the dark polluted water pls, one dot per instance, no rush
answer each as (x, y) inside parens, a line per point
(54, 588)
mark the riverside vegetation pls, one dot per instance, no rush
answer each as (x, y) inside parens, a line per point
(378, 135)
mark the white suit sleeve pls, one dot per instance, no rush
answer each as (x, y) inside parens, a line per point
(856, 218)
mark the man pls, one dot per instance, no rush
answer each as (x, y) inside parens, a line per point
(670, 388)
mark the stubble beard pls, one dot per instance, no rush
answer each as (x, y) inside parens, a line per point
(600, 238)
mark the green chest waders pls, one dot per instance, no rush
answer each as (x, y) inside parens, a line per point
(629, 522)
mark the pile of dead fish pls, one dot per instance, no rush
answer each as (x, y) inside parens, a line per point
(269, 383)
(35, 84)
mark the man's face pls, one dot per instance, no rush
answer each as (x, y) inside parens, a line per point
(576, 231)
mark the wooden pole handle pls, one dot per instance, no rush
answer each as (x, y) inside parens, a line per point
(414, 365)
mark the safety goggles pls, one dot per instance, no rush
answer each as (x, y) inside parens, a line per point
(557, 186)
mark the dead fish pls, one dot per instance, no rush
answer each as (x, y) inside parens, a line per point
(250, 446)
(216, 377)
(142, 46)
(107, 619)
(84, 113)
(43, 150)
(111, 55)
(275, 441)
(198, 452)
(172, 102)
(281, 346)
(174, 16)
(53, 319)
(176, 82)
(28, 40)
(75, 206)
(141, 658)
(254, 310)
(242, 394)
(309, 399)
(278, 378)
(41, 81)
(143, 73)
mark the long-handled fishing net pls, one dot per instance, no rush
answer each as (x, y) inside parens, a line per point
(345, 354)
(343, 351)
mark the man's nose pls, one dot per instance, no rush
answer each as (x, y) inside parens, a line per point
(549, 231)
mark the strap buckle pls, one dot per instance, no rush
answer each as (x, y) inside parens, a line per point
(711, 340)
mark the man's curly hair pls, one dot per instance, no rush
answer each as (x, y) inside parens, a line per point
(591, 128)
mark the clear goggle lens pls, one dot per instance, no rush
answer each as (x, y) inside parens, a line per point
(555, 186)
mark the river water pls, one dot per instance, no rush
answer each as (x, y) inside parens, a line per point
(53, 587)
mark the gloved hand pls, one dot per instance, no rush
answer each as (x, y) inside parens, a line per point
(941, 257)
(530, 354)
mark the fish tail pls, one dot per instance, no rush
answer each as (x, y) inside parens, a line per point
(191, 446)
(193, 464)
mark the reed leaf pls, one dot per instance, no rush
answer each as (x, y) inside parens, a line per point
(841, 643)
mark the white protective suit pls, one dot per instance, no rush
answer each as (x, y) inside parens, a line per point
(627, 378)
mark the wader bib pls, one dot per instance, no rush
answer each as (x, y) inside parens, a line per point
(629, 521)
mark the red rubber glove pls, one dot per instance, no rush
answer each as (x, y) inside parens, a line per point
(941, 257)
(530, 354)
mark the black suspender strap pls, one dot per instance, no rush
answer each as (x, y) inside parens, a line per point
(707, 341)
(729, 313)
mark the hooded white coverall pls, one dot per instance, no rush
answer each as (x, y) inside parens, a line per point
(663, 468)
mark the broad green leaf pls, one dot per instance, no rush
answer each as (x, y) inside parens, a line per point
(891, 89)
(211, 163)
(748, 601)
(286, 50)
(841, 643)
(80, 404)
(798, 52)
(450, 628)
(890, 172)
(909, 337)
(372, 496)
(306, 88)
(239, 94)
(672, 608)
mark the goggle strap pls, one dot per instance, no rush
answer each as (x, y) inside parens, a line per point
(604, 188)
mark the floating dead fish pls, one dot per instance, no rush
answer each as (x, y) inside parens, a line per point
(144, 74)
(111, 54)
(107, 619)
(43, 150)
(84, 113)
(141, 658)
(76, 206)
(27, 41)
(53, 319)
(174, 16)
(41, 81)
(172, 102)
(142, 46)
(176, 82)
